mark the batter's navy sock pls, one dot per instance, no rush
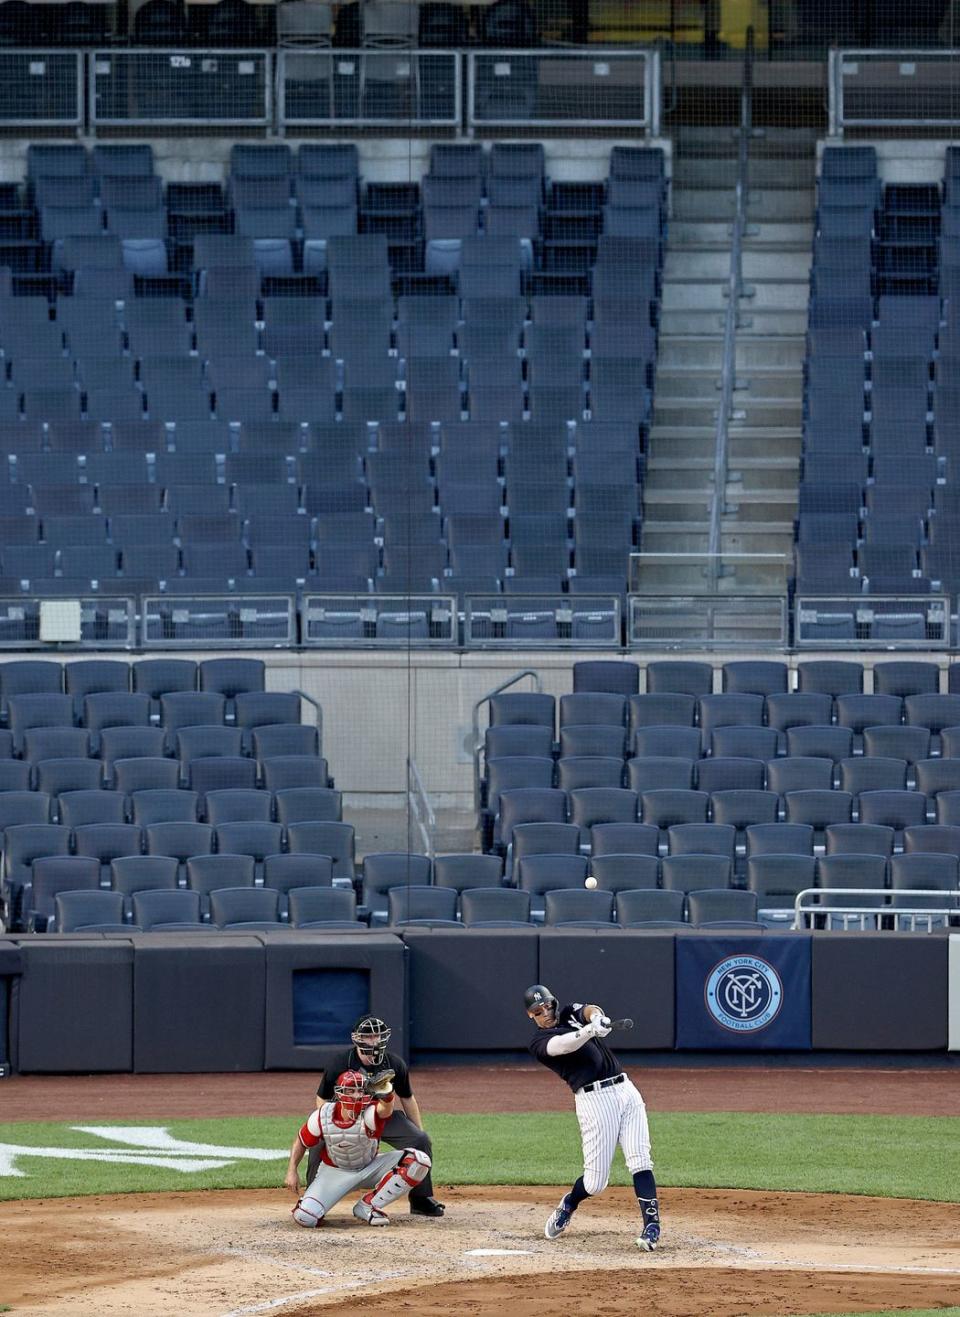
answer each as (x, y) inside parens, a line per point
(645, 1187)
(576, 1195)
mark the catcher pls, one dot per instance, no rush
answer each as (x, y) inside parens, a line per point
(370, 1036)
(348, 1132)
(610, 1111)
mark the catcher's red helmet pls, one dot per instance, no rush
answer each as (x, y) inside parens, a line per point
(348, 1090)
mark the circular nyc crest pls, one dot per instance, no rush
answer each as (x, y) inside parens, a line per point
(743, 993)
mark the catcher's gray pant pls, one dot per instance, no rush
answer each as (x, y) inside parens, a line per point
(330, 1184)
(400, 1132)
(609, 1116)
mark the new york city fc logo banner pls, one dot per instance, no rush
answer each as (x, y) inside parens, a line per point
(742, 993)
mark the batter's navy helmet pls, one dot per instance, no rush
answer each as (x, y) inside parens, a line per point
(538, 995)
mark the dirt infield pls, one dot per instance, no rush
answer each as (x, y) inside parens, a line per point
(508, 1087)
(725, 1253)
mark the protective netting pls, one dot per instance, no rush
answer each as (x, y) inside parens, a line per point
(516, 329)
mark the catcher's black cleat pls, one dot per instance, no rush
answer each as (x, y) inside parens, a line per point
(426, 1207)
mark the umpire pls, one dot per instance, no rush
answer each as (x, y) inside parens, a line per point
(404, 1129)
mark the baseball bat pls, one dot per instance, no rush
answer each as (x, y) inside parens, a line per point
(625, 1023)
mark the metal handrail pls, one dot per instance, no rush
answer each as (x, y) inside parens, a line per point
(822, 893)
(421, 811)
(485, 699)
(734, 290)
(317, 714)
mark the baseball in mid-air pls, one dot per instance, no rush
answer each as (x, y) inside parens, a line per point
(590, 882)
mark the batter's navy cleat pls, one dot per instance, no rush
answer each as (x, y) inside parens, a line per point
(649, 1239)
(560, 1219)
(426, 1207)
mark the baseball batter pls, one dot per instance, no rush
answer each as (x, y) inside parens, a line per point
(348, 1132)
(569, 1041)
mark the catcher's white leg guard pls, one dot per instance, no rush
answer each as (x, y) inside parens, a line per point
(406, 1175)
(308, 1212)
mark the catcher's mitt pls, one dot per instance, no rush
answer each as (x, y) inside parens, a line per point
(379, 1085)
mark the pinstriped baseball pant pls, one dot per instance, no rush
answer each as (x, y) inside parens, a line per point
(611, 1116)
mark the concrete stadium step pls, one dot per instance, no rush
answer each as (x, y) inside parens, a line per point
(798, 234)
(688, 382)
(704, 204)
(758, 382)
(768, 323)
(775, 295)
(780, 264)
(706, 352)
(693, 262)
(676, 537)
(676, 505)
(682, 475)
(704, 172)
(785, 446)
(756, 537)
(753, 505)
(780, 204)
(684, 411)
(760, 475)
(694, 294)
(699, 233)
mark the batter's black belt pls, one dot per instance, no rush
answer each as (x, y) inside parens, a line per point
(603, 1083)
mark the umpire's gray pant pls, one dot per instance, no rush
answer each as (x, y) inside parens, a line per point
(400, 1132)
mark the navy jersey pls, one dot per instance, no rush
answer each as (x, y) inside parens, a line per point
(351, 1061)
(593, 1060)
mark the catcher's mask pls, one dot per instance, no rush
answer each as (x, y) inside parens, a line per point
(539, 995)
(348, 1091)
(370, 1036)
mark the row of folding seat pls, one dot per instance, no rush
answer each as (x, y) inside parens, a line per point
(752, 677)
(625, 400)
(628, 840)
(77, 792)
(652, 769)
(182, 911)
(113, 707)
(538, 547)
(291, 325)
(153, 677)
(687, 874)
(330, 909)
(779, 710)
(680, 815)
(275, 452)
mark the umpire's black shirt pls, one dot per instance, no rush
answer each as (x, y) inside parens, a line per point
(592, 1061)
(351, 1061)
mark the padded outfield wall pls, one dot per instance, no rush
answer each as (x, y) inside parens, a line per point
(247, 1002)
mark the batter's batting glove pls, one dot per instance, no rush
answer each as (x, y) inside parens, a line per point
(379, 1085)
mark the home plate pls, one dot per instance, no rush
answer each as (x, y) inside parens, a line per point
(498, 1253)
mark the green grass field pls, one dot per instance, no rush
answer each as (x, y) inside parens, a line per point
(832, 1154)
(899, 1312)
